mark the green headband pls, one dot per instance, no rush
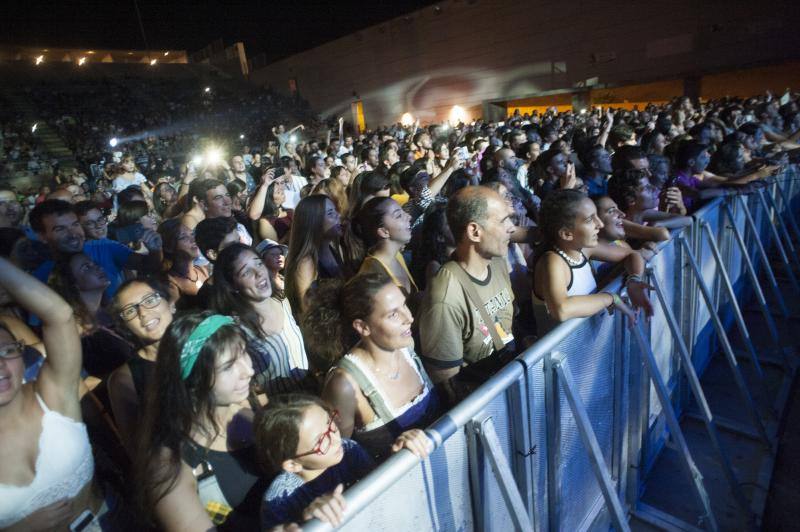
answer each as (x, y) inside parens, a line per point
(201, 333)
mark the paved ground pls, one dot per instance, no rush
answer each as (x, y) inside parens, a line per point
(783, 502)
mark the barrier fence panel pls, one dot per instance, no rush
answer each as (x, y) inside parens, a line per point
(562, 438)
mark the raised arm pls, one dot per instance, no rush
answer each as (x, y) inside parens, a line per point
(60, 375)
(437, 183)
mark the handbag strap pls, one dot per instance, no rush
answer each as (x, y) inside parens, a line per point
(472, 295)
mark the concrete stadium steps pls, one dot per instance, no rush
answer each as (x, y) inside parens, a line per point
(667, 492)
(51, 141)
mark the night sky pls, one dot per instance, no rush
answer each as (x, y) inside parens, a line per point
(276, 28)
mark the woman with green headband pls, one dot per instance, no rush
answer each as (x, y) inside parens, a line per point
(196, 456)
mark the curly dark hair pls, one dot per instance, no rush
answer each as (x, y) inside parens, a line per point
(327, 325)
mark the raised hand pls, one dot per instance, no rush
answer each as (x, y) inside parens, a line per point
(328, 508)
(416, 441)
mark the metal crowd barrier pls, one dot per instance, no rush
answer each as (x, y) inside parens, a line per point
(563, 437)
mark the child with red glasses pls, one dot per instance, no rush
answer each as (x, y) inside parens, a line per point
(297, 438)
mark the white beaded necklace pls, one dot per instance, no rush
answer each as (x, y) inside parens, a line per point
(570, 260)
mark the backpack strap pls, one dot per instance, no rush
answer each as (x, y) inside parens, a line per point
(472, 296)
(374, 397)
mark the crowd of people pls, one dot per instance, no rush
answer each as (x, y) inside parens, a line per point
(233, 343)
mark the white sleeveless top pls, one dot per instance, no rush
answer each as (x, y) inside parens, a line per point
(397, 412)
(64, 466)
(581, 283)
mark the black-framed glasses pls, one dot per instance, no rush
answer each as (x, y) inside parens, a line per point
(12, 350)
(128, 312)
(324, 442)
(96, 224)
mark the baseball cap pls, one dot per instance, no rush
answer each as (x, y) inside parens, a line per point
(267, 244)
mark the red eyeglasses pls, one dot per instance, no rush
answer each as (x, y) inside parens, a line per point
(324, 443)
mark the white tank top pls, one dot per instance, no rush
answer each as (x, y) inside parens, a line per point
(64, 466)
(581, 283)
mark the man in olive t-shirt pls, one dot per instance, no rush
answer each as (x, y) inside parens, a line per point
(451, 329)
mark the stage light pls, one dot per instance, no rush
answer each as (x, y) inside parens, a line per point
(457, 114)
(113, 142)
(241, 136)
(207, 89)
(40, 60)
(583, 111)
(81, 61)
(293, 139)
(407, 120)
(166, 54)
(153, 62)
(33, 129)
(213, 156)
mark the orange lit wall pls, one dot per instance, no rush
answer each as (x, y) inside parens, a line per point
(750, 82)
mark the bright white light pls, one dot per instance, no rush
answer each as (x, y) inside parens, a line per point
(445, 126)
(583, 111)
(113, 142)
(33, 129)
(81, 61)
(166, 54)
(207, 89)
(457, 114)
(153, 62)
(241, 136)
(197, 160)
(407, 120)
(40, 60)
(293, 139)
(214, 156)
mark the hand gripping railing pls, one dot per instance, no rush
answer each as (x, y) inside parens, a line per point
(549, 389)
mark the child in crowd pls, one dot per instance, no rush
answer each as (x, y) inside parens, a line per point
(564, 284)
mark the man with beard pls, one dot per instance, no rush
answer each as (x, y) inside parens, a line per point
(56, 224)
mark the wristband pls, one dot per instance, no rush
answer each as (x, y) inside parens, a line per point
(633, 277)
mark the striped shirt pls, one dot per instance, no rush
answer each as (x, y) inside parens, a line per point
(279, 359)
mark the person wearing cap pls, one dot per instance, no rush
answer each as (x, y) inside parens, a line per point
(273, 255)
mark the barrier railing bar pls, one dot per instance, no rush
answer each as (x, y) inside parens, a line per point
(726, 346)
(751, 272)
(662, 520)
(552, 418)
(695, 477)
(700, 396)
(590, 443)
(787, 238)
(485, 431)
(763, 253)
(781, 251)
(744, 331)
(787, 206)
(362, 493)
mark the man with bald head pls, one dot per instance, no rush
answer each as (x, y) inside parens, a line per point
(453, 331)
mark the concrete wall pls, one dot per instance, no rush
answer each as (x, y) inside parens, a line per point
(470, 52)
